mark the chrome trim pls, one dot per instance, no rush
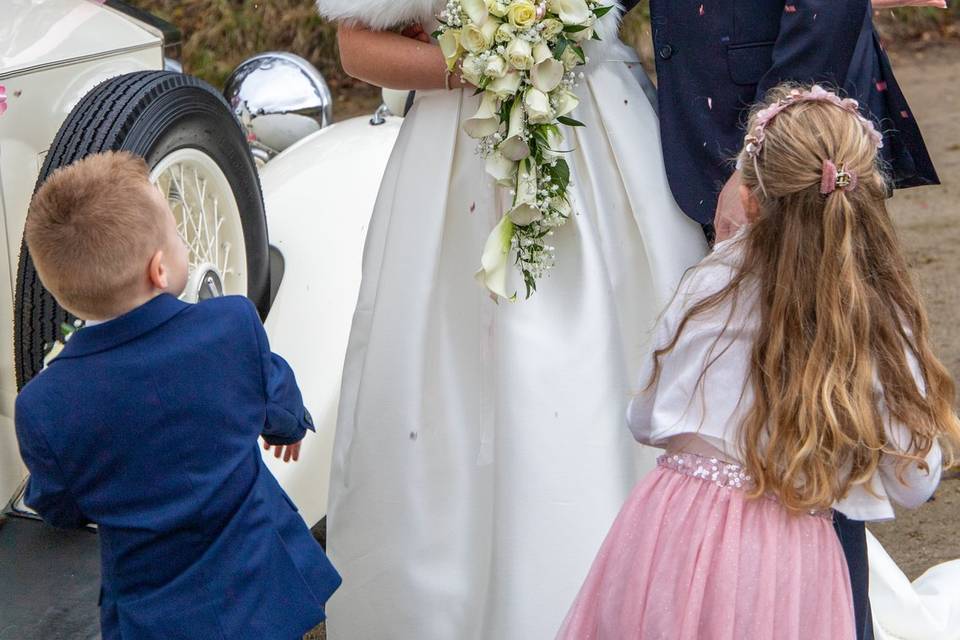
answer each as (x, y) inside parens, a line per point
(380, 115)
(79, 60)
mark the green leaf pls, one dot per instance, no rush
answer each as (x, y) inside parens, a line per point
(436, 34)
(580, 54)
(574, 28)
(505, 108)
(66, 328)
(560, 47)
(560, 174)
(570, 122)
(596, 36)
(602, 11)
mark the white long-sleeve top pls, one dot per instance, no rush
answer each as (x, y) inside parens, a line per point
(680, 404)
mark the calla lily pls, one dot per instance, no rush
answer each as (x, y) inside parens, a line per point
(525, 208)
(554, 144)
(570, 11)
(537, 104)
(493, 262)
(476, 9)
(502, 169)
(507, 86)
(541, 52)
(565, 102)
(515, 147)
(449, 42)
(486, 121)
(547, 74)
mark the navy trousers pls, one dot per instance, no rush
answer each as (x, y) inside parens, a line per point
(853, 538)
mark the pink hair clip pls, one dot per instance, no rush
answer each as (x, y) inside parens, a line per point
(834, 178)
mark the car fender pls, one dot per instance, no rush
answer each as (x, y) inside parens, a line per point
(319, 196)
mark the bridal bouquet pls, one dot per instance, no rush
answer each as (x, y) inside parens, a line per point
(522, 56)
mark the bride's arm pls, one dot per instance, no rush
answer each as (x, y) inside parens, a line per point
(392, 61)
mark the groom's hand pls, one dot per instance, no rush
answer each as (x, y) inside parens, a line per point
(290, 452)
(730, 214)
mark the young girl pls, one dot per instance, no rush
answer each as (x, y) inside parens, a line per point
(794, 376)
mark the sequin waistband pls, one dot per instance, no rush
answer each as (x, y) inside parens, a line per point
(721, 473)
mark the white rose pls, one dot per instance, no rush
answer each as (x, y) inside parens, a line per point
(502, 169)
(522, 13)
(496, 67)
(497, 8)
(476, 9)
(487, 119)
(515, 147)
(583, 35)
(520, 54)
(449, 42)
(472, 69)
(551, 28)
(507, 86)
(564, 102)
(537, 104)
(570, 59)
(477, 39)
(570, 11)
(505, 33)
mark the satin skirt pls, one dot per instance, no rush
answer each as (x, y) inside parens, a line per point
(481, 452)
(690, 557)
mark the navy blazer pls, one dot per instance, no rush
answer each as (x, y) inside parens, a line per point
(147, 426)
(715, 58)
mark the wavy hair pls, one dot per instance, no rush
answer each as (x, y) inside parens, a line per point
(839, 315)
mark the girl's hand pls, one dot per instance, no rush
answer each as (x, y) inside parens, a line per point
(290, 452)
(893, 4)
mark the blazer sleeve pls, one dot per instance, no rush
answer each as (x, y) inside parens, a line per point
(47, 492)
(287, 418)
(816, 42)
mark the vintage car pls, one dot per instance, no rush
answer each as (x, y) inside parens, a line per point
(272, 197)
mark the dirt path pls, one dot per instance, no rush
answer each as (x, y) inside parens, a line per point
(929, 223)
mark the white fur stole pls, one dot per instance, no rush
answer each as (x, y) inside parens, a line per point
(390, 14)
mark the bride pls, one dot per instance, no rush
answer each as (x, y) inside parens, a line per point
(481, 451)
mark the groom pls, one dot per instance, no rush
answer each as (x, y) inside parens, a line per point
(717, 57)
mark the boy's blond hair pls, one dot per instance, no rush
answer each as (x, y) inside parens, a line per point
(91, 230)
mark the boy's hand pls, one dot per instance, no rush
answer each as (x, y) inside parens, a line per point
(290, 452)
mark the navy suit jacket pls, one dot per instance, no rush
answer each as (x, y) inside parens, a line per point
(147, 426)
(715, 58)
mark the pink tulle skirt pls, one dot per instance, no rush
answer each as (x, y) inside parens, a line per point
(691, 558)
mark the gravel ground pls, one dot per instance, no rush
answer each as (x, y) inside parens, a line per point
(929, 222)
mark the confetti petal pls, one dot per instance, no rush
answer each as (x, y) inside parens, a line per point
(790, 8)
(702, 10)
(881, 85)
(710, 103)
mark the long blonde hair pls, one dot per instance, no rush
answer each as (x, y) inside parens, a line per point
(838, 314)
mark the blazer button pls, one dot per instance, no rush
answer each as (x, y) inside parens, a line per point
(665, 52)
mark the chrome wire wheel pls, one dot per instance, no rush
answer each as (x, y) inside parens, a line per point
(208, 220)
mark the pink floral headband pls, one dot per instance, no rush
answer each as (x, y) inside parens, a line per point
(833, 178)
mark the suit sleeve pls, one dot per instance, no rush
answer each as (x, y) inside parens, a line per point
(287, 418)
(47, 492)
(816, 42)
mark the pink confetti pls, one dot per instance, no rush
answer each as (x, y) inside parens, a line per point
(710, 103)
(904, 115)
(790, 8)
(702, 10)
(881, 85)
(3, 99)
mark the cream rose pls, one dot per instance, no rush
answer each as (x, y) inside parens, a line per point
(570, 59)
(472, 69)
(496, 67)
(584, 34)
(522, 14)
(537, 105)
(505, 33)
(497, 8)
(551, 28)
(520, 54)
(477, 39)
(507, 86)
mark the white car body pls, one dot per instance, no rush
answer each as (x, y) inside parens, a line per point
(318, 194)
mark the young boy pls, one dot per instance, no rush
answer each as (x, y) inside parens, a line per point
(147, 423)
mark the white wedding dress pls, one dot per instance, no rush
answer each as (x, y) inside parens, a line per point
(481, 453)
